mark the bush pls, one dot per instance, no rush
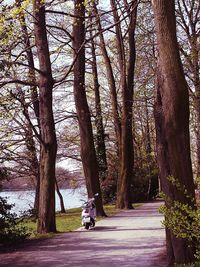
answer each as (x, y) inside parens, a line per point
(182, 219)
(184, 222)
(11, 228)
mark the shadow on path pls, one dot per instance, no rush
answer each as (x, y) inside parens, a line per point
(125, 239)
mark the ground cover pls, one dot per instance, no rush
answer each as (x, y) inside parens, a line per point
(65, 222)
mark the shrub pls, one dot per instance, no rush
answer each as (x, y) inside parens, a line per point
(11, 228)
(182, 219)
(184, 222)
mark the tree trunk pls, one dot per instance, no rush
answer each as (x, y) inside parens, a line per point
(46, 216)
(111, 82)
(88, 154)
(198, 132)
(196, 81)
(34, 164)
(32, 153)
(188, 15)
(100, 135)
(62, 205)
(172, 123)
(127, 151)
(151, 186)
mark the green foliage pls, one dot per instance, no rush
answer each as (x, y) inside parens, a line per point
(145, 184)
(182, 218)
(184, 222)
(197, 180)
(180, 187)
(12, 229)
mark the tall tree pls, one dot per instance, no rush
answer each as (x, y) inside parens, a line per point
(46, 216)
(88, 154)
(127, 66)
(100, 134)
(188, 26)
(172, 124)
(111, 80)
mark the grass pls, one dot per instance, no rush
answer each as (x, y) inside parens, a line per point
(65, 222)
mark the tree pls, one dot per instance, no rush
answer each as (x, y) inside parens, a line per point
(111, 80)
(46, 216)
(188, 32)
(126, 66)
(62, 205)
(88, 154)
(100, 133)
(172, 124)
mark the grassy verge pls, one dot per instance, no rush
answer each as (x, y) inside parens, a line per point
(65, 222)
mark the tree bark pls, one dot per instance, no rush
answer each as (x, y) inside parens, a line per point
(195, 50)
(88, 154)
(151, 186)
(46, 216)
(127, 78)
(198, 130)
(32, 153)
(62, 205)
(111, 82)
(172, 123)
(188, 15)
(100, 135)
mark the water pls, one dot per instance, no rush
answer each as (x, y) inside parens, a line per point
(24, 200)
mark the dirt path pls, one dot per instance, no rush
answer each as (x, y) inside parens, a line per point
(132, 238)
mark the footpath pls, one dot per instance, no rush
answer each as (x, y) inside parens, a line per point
(132, 238)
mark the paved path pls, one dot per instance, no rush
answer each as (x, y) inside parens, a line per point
(132, 238)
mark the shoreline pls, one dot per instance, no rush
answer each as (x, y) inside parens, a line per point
(31, 189)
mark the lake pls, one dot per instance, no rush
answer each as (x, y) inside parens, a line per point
(24, 200)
